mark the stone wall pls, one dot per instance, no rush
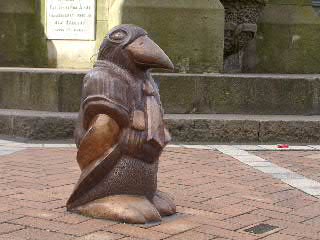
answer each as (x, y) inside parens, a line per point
(60, 91)
(190, 32)
(22, 41)
(288, 38)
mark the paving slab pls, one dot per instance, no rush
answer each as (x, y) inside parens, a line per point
(249, 147)
(218, 196)
(306, 163)
(203, 147)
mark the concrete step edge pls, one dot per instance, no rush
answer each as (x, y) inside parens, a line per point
(227, 75)
(220, 128)
(60, 90)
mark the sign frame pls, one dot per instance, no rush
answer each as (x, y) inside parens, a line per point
(87, 35)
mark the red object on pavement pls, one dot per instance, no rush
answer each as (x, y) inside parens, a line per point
(283, 145)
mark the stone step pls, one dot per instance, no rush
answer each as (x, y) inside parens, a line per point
(58, 90)
(203, 128)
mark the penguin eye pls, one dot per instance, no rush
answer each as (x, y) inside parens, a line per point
(118, 35)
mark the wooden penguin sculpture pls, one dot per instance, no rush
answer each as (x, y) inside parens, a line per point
(121, 133)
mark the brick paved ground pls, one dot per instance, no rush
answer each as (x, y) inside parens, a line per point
(306, 163)
(218, 197)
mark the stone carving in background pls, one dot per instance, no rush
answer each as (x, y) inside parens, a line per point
(316, 6)
(241, 17)
(121, 132)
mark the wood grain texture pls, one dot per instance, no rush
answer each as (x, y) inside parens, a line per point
(121, 132)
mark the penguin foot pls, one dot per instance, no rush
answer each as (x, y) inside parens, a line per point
(124, 208)
(164, 204)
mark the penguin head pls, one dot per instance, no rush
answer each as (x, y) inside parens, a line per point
(129, 46)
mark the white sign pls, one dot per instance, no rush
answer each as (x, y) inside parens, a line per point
(71, 19)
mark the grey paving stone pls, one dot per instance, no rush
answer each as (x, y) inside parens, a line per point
(291, 147)
(248, 159)
(8, 150)
(290, 175)
(317, 147)
(313, 190)
(249, 147)
(173, 146)
(301, 148)
(57, 145)
(35, 145)
(259, 164)
(201, 147)
(230, 150)
(273, 169)
(303, 183)
(291, 178)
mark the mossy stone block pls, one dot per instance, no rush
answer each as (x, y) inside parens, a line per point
(22, 41)
(248, 94)
(255, 95)
(27, 91)
(17, 6)
(101, 32)
(46, 91)
(102, 10)
(70, 86)
(60, 91)
(190, 32)
(288, 39)
(178, 94)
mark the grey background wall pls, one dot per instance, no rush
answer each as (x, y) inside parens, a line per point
(22, 41)
(190, 31)
(288, 40)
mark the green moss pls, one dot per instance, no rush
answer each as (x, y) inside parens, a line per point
(190, 32)
(180, 93)
(22, 41)
(174, 99)
(70, 86)
(290, 2)
(226, 94)
(289, 42)
(101, 32)
(27, 91)
(102, 10)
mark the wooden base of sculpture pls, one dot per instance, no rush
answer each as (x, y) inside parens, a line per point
(129, 208)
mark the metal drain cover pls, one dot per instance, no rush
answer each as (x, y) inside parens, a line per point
(260, 229)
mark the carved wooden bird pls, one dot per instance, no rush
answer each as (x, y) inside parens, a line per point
(121, 132)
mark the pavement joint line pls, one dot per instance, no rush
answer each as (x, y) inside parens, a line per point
(293, 179)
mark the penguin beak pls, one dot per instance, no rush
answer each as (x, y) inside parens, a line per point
(147, 53)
